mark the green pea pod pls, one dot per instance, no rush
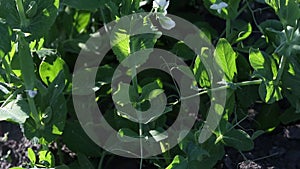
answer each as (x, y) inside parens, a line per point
(32, 9)
(26, 63)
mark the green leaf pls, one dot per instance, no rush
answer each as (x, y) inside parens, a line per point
(257, 134)
(39, 24)
(49, 71)
(31, 155)
(225, 59)
(240, 31)
(201, 74)
(289, 116)
(159, 134)
(84, 162)
(264, 66)
(268, 117)
(238, 139)
(269, 93)
(183, 51)
(82, 143)
(288, 11)
(125, 38)
(5, 43)
(81, 20)
(46, 158)
(178, 162)
(127, 135)
(90, 5)
(16, 111)
(62, 167)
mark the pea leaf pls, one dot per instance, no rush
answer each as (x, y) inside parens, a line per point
(178, 162)
(5, 44)
(225, 59)
(16, 111)
(288, 11)
(125, 39)
(39, 23)
(238, 139)
(90, 5)
(269, 92)
(31, 155)
(46, 158)
(264, 66)
(49, 71)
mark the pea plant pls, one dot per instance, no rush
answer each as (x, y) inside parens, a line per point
(256, 50)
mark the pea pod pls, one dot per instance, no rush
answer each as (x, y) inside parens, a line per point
(26, 63)
(32, 9)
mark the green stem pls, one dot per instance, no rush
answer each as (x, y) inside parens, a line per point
(101, 160)
(228, 27)
(239, 84)
(34, 112)
(280, 70)
(23, 19)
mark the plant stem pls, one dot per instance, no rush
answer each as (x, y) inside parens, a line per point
(23, 19)
(34, 112)
(101, 160)
(227, 27)
(239, 84)
(280, 70)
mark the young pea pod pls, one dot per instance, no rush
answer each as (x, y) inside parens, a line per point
(26, 63)
(32, 9)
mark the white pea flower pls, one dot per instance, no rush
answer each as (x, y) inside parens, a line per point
(160, 9)
(162, 5)
(165, 22)
(31, 93)
(219, 6)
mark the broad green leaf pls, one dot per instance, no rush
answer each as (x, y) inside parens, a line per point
(159, 135)
(257, 134)
(26, 63)
(46, 158)
(31, 155)
(127, 135)
(183, 51)
(238, 139)
(178, 162)
(129, 38)
(16, 111)
(269, 93)
(48, 71)
(268, 117)
(84, 162)
(38, 24)
(62, 167)
(201, 74)
(129, 7)
(225, 59)
(264, 66)
(5, 43)
(90, 5)
(82, 143)
(288, 11)
(289, 116)
(81, 20)
(53, 109)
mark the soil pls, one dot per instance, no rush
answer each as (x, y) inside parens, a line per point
(279, 149)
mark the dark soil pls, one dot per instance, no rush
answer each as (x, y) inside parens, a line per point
(279, 149)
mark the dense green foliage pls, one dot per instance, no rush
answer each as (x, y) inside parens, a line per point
(257, 48)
